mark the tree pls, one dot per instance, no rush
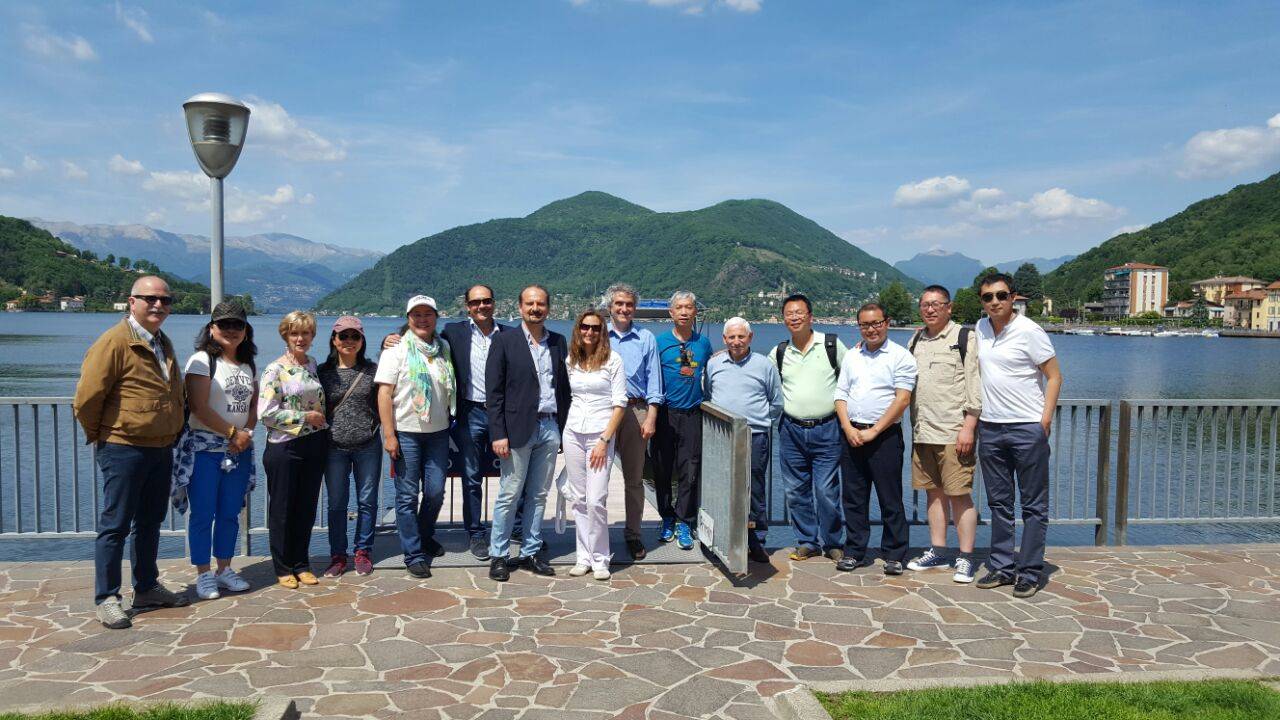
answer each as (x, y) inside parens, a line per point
(1200, 312)
(111, 259)
(1035, 308)
(1027, 281)
(897, 302)
(1180, 292)
(977, 280)
(966, 306)
(124, 262)
(88, 255)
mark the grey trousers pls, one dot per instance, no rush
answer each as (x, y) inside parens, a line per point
(1009, 453)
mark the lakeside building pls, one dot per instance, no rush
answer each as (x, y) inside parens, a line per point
(1185, 309)
(1217, 288)
(1134, 288)
(1272, 313)
(1246, 310)
(71, 304)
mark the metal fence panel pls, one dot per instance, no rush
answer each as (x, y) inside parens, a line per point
(726, 486)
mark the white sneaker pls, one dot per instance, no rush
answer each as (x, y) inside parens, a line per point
(964, 570)
(601, 573)
(207, 586)
(231, 581)
(579, 570)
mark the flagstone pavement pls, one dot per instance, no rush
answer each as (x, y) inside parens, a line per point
(657, 641)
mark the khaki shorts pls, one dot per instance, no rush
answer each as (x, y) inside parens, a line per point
(936, 467)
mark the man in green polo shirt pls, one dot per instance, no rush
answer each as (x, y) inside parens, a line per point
(809, 438)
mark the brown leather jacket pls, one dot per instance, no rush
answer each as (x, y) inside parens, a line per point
(122, 397)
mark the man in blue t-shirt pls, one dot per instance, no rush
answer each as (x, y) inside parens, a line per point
(677, 444)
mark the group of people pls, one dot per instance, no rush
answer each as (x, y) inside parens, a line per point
(527, 393)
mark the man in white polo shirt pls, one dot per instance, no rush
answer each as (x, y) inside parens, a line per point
(1020, 386)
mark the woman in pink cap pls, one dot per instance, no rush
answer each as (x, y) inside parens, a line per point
(355, 448)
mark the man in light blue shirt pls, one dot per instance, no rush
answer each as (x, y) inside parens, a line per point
(640, 362)
(876, 380)
(747, 384)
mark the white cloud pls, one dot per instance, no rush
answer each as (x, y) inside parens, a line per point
(136, 20)
(31, 164)
(246, 208)
(987, 195)
(117, 164)
(1123, 229)
(154, 217)
(192, 188)
(928, 233)
(992, 206)
(694, 7)
(73, 171)
(1056, 204)
(7, 173)
(930, 192)
(272, 126)
(1214, 153)
(43, 42)
(746, 6)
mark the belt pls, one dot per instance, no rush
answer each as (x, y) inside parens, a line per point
(633, 401)
(810, 423)
(547, 416)
(862, 426)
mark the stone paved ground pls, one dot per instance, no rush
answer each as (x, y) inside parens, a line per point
(658, 641)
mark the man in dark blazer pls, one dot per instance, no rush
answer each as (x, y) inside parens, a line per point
(527, 397)
(469, 344)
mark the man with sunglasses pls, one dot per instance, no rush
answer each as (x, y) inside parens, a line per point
(1020, 386)
(469, 342)
(129, 400)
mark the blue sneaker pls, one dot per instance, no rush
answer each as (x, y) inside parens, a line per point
(668, 531)
(684, 538)
(928, 561)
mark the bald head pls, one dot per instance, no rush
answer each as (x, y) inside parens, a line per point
(150, 301)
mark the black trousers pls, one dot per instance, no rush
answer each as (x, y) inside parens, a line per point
(295, 472)
(135, 498)
(877, 463)
(677, 456)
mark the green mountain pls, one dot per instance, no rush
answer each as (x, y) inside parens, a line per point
(578, 246)
(36, 262)
(1237, 233)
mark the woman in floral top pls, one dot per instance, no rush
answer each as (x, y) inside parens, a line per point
(291, 406)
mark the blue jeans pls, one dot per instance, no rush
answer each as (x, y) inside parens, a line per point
(526, 477)
(761, 445)
(135, 498)
(810, 458)
(1016, 454)
(366, 464)
(420, 468)
(216, 498)
(471, 435)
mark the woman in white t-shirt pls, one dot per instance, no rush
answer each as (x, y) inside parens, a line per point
(416, 397)
(221, 394)
(599, 387)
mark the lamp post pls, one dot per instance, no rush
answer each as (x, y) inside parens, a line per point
(216, 124)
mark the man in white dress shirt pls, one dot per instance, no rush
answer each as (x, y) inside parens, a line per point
(876, 380)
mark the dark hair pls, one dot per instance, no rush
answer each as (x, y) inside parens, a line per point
(578, 355)
(534, 286)
(873, 306)
(938, 289)
(332, 361)
(993, 278)
(245, 352)
(799, 297)
(466, 294)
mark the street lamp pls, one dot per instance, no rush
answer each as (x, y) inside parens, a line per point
(216, 124)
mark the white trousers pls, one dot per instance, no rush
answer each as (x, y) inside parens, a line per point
(590, 515)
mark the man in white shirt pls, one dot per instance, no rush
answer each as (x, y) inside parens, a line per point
(876, 380)
(1020, 386)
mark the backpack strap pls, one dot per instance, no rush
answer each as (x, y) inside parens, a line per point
(915, 340)
(964, 342)
(829, 342)
(778, 354)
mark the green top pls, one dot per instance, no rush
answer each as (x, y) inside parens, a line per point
(809, 381)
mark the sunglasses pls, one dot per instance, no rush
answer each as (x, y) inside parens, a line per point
(350, 336)
(230, 325)
(165, 300)
(1000, 295)
(479, 301)
(590, 327)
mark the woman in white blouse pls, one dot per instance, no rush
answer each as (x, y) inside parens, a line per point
(599, 387)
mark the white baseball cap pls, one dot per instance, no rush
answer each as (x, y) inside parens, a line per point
(417, 300)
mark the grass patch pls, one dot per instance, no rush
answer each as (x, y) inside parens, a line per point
(202, 711)
(1207, 700)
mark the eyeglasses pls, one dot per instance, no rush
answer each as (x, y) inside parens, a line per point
(1000, 295)
(933, 305)
(479, 301)
(590, 327)
(165, 300)
(230, 325)
(876, 325)
(350, 335)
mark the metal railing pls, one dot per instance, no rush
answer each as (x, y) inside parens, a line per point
(725, 486)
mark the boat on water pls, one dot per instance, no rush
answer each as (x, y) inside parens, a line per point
(1078, 331)
(1209, 333)
(1113, 331)
(1168, 333)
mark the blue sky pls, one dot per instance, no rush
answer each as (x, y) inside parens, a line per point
(1000, 130)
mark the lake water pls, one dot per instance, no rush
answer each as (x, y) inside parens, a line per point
(40, 355)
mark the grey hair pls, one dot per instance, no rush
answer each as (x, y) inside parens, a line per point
(736, 320)
(679, 295)
(617, 288)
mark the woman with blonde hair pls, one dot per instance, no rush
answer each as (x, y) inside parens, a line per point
(291, 406)
(598, 385)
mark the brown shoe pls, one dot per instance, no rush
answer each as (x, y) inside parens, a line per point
(307, 578)
(803, 552)
(288, 581)
(834, 554)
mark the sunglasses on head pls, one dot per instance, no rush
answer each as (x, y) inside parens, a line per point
(165, 300)
(479, 301)
(230, 324)
(350, 335)
(1000, 295)
(590, 327)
